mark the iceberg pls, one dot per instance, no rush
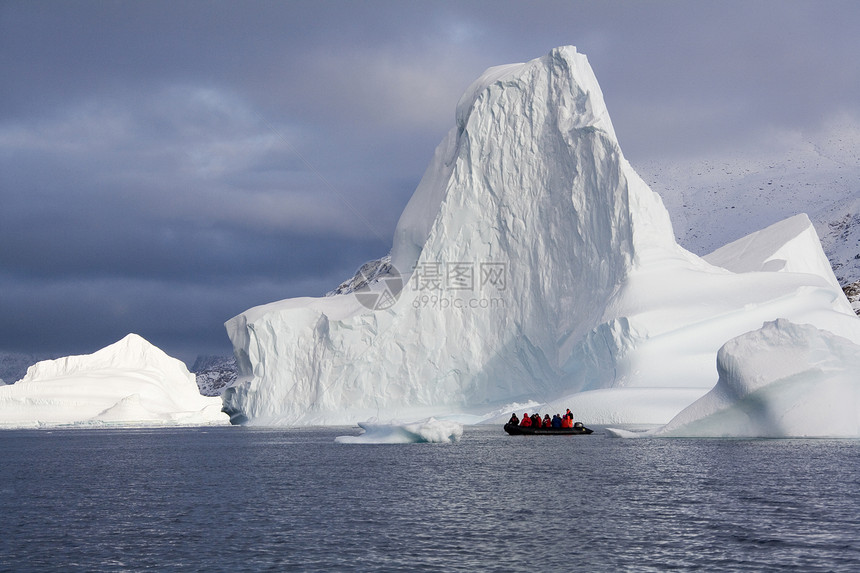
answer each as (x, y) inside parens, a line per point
(128, 383)
(783, 380)
(425, 431)
(791, 245)
(532, 264)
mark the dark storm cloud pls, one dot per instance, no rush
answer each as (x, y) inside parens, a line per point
(685, 76)
(165, 165)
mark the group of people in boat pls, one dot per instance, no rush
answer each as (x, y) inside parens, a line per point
(535, 421)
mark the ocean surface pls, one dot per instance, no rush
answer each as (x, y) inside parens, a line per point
(244, 499)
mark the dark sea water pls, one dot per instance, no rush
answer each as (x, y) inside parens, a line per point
(242, 499)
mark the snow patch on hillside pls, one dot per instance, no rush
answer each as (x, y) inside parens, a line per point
(214, 374)
(717, 199)
(852, 292)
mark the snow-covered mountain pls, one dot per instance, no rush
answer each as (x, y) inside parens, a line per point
(533, 264)
(369, 273)
(852, 291)
(715, 200)
(214, 374)
(13, 365)
(130, 382)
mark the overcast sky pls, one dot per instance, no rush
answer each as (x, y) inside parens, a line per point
(166, 165)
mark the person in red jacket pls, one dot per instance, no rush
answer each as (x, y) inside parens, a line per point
(547, 423)
(526, 422)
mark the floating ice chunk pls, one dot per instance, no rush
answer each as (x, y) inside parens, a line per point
(781, 381)
(430, 430)
(503, 414)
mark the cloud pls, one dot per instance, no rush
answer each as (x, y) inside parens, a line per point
(164, 214)
(156, 156)
(81, 315)
(393, 89)
(181, 154)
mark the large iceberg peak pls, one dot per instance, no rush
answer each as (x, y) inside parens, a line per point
(534, 153)
(564, 64)
(538, 131)
(534, 264)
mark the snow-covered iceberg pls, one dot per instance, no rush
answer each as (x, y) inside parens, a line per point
(128, 383)
(782, 380)
(531, 264)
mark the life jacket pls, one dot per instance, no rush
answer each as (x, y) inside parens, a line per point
(567, 422)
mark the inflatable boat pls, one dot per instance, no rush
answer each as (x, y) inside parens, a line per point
(577, 429)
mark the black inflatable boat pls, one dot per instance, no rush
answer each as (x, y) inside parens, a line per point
(577, 429)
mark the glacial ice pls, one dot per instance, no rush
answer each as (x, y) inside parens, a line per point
(128, 383)
(791, 246)
(536, 266)
(425, 431)
(782, 380)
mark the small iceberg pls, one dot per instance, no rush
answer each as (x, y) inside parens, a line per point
(784, 380)
(129, 383)
(426, 431)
